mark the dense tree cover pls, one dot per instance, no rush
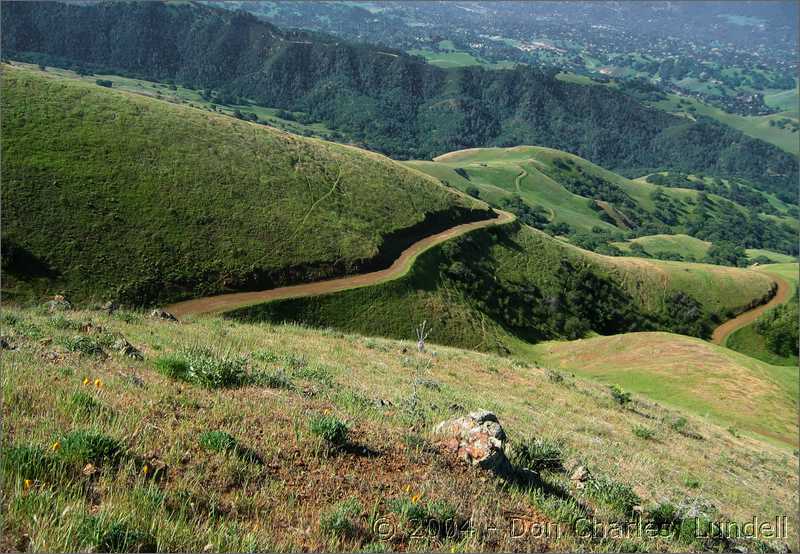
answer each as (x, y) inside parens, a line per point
(779, 329)
(720, 221)
(726, 253)
(382, 98)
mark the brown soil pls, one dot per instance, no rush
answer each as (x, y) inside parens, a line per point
(225, 302)
(746, 318)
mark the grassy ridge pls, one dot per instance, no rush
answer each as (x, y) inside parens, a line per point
(550, 179)
(690, 374)
(490, 288)
(110, 194)
(225, 466)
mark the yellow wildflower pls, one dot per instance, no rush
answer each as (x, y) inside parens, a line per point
(86, 381)
(145, 470)
(56, 446)
(27, 484)
(98, 383)
(415, 498)
(408, 489)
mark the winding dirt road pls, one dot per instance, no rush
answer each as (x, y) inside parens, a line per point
(746, 318)
(226, 302)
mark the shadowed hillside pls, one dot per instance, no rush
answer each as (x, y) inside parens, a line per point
(114, 195)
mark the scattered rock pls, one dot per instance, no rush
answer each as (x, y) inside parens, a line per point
(478, 439)
(4, 344)
(89, 469)
(58, 304)
(124, 347)
(52, 356)
(381, 403)
(456, 408)
(132, 377)
(110, 307)
(580, 476)
(158, 313)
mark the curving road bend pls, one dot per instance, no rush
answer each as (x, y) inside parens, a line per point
(231, 301)
(746, 318)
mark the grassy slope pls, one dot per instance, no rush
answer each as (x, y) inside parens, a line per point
(191, 98)
(519, 256)
(685, 245)
(747, 341)
(123, 194)
(208, 498)
(688, 373)
(754, 126)
(494, 172)
(665, 244)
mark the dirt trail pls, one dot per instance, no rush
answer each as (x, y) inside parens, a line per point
(746, 318)
(226, 302)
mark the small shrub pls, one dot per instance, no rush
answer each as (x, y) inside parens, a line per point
(440, 511)
(620, 396)
(537, 455)
(408, 509)
(664, 514)
(60, 321)
(330, 429)
(272, 380)
(87, 346)
(678, 424)
(314, 373)
(691, 482)
(214, 372)
(644, 432)
(554, 376)
(82, 447)
(339, 520)
(103, 534)
(202, 367)
(265, 356)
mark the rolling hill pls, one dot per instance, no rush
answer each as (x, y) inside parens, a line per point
(383, 98)
(495, 287)
(112, 195)
(689, 374)
(568, 195)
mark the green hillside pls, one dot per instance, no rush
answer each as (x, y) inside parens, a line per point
(109, 194)
(689, 374)
(381, 97)
(493, 288)
(752, 339)
(111, 453)
(781, 129)
(687, 247)
(569, 196)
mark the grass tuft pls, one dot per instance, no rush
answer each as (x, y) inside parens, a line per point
(330, 429)
(104, 534)
(83, 447)
(537, 454)
(339, 520)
